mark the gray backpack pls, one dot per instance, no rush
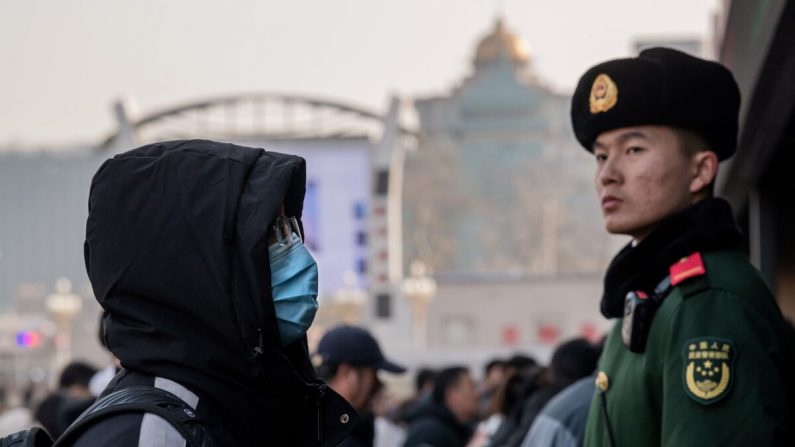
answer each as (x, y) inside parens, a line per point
(137, 399)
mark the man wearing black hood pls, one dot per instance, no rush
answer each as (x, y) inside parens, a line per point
(177, 250)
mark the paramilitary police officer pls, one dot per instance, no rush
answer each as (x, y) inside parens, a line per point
(701, 355)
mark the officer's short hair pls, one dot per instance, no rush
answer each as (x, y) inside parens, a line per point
(691, 143)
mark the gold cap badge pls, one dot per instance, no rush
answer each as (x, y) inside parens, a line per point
(604, 94)
(602, 381)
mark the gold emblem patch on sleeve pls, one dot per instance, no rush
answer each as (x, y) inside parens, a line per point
(708, 368)
(604, 94)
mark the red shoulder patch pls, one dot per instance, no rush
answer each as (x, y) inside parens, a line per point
(687, 268)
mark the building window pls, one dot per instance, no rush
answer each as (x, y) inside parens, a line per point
(361, 238)
(359, 210)
(382, 182)
(361, 266)
(383, 305)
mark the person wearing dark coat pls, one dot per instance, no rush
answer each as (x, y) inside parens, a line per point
(444, 420)
(185, 248)
(60, 408)
(570, 362)
(561, 422)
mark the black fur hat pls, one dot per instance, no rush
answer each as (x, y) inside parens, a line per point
(661, 86)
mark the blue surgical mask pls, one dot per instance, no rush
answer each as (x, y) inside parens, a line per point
(294, 285)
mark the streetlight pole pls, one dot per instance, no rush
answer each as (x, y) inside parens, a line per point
(63, 305)
(420, 290)
(349, 299)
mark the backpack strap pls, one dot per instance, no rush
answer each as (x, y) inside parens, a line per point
(35, 437)
(143, 399)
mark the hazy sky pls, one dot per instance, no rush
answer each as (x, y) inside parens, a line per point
(62, 63)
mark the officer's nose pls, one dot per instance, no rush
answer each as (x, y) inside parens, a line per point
(608, 172)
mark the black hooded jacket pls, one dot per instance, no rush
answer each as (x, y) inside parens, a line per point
(432, 424)
(177, 253)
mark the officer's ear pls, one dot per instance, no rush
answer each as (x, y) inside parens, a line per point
(705, 168)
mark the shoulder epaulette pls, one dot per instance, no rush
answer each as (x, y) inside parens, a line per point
(683, 272)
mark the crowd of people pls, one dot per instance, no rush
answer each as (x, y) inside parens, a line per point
(449, 408)
(54, 410)
(511, 403)
(509, 400)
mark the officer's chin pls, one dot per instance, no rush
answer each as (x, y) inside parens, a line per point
(616, 227)
(636, 233)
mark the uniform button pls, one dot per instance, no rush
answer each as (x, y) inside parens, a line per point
(345, 418)
(602, 382)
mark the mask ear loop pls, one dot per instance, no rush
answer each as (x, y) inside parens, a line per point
(284, 229)
(296, 228)
(281, 228)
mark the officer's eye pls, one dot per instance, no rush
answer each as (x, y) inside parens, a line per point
(600, 157)
(634, 149)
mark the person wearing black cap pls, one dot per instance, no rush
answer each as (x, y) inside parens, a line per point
(350, 361)
(702, 354)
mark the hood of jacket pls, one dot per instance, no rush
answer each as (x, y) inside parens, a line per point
(176, 250)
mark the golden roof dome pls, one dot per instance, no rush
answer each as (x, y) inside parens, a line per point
(501, 44)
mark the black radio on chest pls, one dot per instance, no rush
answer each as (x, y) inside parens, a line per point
(639, 310)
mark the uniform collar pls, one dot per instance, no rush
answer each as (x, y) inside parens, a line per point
(705, 226)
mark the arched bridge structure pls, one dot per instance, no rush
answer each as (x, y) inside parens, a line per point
(241, 117)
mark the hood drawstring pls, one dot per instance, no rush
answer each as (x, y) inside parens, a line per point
(260, 348)
(321, 392)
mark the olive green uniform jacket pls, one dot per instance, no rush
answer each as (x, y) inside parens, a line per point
(717, 367)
